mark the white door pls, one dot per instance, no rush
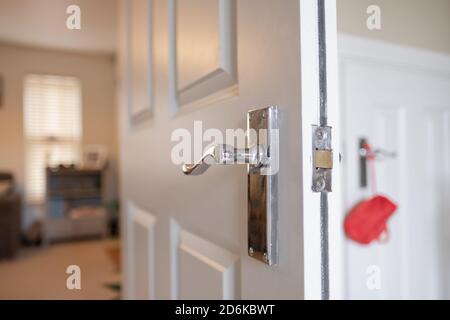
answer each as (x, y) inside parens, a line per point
(185, 63)
(399, 100)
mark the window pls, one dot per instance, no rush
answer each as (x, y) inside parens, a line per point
(52, 127)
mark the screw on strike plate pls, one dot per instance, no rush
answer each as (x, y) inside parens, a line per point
(319, 184)
(265, 257)
(321, 134)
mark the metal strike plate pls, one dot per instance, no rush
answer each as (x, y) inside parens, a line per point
(263, 186)
(322, 159)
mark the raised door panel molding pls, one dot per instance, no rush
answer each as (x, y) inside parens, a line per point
(141, 253)
(213, 265)
(140, 58)
(204, 41)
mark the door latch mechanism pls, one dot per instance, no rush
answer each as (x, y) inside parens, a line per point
(322, 159)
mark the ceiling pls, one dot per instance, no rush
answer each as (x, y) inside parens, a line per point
(42, 23)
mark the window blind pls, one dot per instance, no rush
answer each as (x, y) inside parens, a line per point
(52, 127)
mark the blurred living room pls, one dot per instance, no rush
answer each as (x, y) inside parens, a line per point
(58, 136)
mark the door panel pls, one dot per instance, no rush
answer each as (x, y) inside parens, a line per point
(141, 252)
(141, 57)
(212, 62)
(402, 108)
(215, 266)
(205, 45)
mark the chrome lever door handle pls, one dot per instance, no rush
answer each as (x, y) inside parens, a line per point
(261, 155)
(225, 154)
(203, 164)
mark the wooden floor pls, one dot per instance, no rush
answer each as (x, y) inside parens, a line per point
(40, 273)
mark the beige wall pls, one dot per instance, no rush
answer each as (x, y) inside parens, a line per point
(97, 75)
(419, 23)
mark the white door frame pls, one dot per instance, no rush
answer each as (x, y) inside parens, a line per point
(357, 49)
(310, 116)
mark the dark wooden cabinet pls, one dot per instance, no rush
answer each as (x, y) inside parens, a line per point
(69, 189)
(10, 219)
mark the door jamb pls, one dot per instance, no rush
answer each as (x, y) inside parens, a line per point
(310, 116)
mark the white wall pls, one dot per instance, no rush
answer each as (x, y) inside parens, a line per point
(418, 23)
(43, 24)
(96, 72)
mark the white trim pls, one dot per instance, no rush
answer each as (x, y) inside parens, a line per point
(137, 215)
(310, 112)
(175, 231)
(353, 47)
(145, 111)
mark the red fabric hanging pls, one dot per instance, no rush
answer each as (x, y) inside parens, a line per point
(367, 221)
